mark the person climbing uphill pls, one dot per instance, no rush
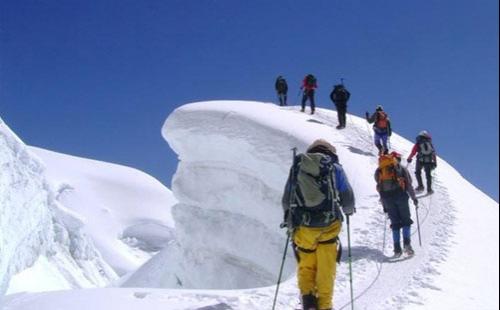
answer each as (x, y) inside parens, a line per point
(426, 159)
(308, 86)
(316, 189)
(395, 188)
(381, 128)
(339, 96)
(281, 87)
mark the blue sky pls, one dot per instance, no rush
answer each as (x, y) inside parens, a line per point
(98, 78)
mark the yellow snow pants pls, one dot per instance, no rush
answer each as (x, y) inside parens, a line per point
(317, 256)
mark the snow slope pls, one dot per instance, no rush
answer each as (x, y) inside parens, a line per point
(35, 227)
(125, 211)
(70, 222)
(234, 157)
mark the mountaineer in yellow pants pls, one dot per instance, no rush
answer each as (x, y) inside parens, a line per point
(316, 190)
(316, 249)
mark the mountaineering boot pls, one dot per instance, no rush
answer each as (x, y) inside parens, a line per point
(419, 188)
(407, 246)
(309, 302)
(429, 186)
(397, 250)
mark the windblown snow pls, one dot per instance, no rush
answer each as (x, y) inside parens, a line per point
(226, 248)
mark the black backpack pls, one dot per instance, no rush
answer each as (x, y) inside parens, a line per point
(341, 94)
(281, 85)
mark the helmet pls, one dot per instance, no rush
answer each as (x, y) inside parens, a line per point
(423, 133)
(379, 108)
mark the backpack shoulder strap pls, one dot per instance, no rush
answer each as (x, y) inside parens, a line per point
(335, 188)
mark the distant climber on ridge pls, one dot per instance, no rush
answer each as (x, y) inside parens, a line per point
(308, 86)
(282, 89)
(339, 96)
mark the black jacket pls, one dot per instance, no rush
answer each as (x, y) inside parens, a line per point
(281, 86)
(340, 95)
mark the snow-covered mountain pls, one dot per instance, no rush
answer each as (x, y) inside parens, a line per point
(125, 211)
(233, 161)
(35, 228)
(68, 222)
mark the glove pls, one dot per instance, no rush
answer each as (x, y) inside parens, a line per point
(349, 210)
(408, 160)
(415, 202)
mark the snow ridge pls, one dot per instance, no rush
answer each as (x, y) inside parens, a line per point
(234, 160)
(33, 223)
(254, 139)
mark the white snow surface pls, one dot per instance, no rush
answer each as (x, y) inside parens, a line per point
(36, 230)
(234, 158)
(68, 222)
(125, 211)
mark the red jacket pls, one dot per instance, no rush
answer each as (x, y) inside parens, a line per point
(307, 86)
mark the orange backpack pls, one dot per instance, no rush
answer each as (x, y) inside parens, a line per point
(389, 175)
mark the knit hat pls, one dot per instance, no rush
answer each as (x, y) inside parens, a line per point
(321, 143)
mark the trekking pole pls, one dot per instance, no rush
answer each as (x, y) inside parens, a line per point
(281, 270)
(418, 227)
(289, 223)
(350, 260)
